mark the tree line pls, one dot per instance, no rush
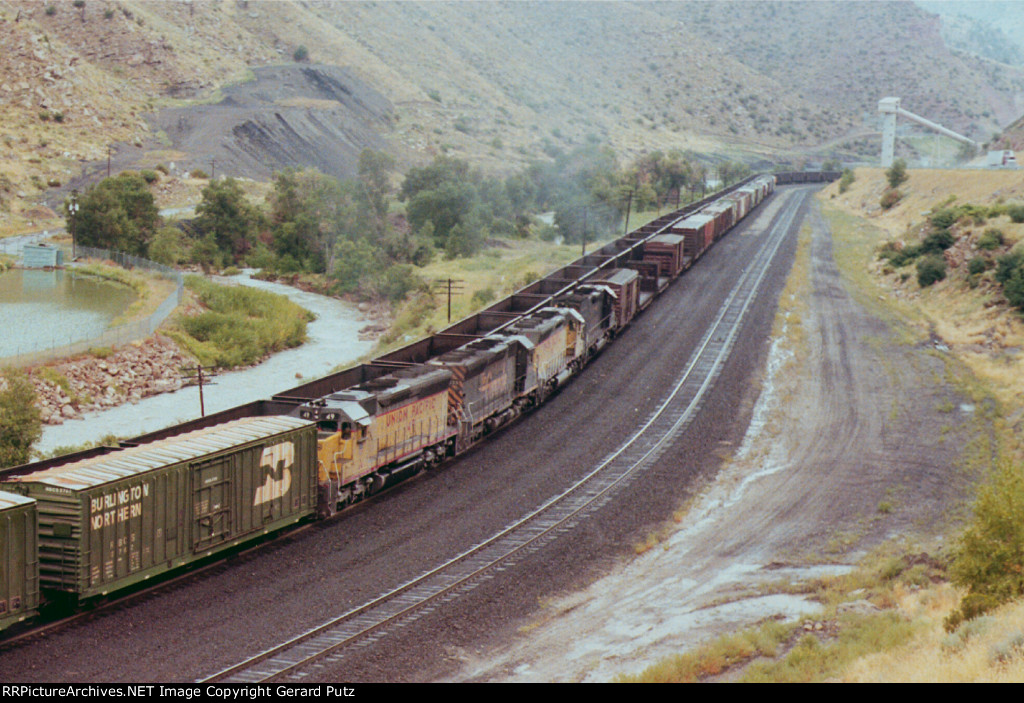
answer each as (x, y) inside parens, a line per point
(365, 235)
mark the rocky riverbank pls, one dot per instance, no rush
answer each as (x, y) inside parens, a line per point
(69, 388)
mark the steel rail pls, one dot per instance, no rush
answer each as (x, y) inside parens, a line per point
(368, 623)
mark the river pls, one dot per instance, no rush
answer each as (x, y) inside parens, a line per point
(333, 340)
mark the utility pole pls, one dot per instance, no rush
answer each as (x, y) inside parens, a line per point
(583, 247)
(198, 380)
(452, 286)
(108, 161)
(73, 210)
(629, 206)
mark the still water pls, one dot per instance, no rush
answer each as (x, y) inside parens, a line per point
(42, 309)
(332, 340)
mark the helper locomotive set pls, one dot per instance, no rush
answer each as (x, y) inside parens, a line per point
(94, 522)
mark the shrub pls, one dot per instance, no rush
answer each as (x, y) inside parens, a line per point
(50, 10)
(890, 198)
(1006, 265)
(988, 559)
(20, 421)
(242, 324)
(944, 218)
(482, 297)
(1016, 212)
(434, 95)
(930, 269)
(897, 173)
(977, 265)
(108, 14)
(991, 238)
(397, 281)
(301, 54)
(899, 257)
(938, 241)
(199, 173)
(149, 176)
(846, 180)
(1010, 273)
(168, 247)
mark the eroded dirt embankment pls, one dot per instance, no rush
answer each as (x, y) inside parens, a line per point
(295, 116)
(854, 442)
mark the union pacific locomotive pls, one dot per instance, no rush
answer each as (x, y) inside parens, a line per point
(97, 521)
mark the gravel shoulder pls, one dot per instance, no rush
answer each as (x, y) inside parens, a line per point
(833, 437)
(852, 442)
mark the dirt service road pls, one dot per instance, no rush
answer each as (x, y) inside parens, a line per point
(852, 442)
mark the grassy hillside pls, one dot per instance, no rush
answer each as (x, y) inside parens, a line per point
(496, 83)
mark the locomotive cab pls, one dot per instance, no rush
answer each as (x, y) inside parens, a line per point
(342, 420)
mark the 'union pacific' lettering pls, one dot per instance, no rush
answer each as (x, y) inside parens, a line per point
(410, 412)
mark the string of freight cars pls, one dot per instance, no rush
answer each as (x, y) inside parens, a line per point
(94, 522)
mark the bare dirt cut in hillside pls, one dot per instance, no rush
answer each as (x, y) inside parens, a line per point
(294, 116)
(856, 440)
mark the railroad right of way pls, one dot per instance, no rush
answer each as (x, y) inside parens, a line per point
(283, 591)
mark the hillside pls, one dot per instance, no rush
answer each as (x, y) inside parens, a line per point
(495, 83)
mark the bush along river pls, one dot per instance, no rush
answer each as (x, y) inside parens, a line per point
(332, 340)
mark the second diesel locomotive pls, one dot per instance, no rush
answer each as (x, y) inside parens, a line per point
(104, 518)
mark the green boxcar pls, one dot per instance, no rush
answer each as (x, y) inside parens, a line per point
(19, 559)
(116, 519)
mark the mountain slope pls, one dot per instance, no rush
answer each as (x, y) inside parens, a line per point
(498, 83)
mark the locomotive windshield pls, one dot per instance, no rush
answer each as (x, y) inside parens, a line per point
(327, 426)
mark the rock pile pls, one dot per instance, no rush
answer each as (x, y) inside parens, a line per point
(69, 388)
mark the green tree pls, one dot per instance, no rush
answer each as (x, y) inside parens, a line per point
(443, 169)
(732, 171)
(225, 215)
(168, 246)
(444, 207)
(117, 213)
(989, 561)
(354, 264)
(295, 222)
(897, 173)
(20, 421)
(375, 169)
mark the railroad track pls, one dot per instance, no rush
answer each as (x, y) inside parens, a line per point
(361, 627)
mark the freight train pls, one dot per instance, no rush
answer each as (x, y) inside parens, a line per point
(92, 523)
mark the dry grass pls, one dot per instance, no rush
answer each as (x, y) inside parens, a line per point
(717, 657)
(924, 190)
(975, 323)
(987, 649)
(498, 270)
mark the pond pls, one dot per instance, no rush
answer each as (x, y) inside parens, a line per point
(332, 340)
(42, 309)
